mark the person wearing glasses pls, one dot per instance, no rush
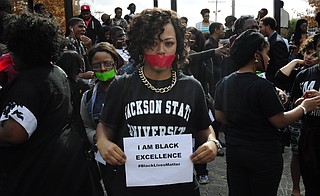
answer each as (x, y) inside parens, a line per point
(103, 59)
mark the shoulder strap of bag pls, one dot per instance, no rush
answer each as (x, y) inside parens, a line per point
(77, 119)
(78, 124)
(89, 95)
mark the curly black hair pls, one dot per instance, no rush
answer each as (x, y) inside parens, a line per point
(35, 40)
(149, 24)
(311, 43)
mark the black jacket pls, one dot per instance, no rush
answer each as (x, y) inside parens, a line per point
(93, 29)
(213, 65)
(279, 56)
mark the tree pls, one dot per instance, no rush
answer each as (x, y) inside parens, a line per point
(56, 7)
(292, 26)
(314, 3)
(310, 13)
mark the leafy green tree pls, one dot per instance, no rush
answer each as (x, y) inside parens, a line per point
(292, 25)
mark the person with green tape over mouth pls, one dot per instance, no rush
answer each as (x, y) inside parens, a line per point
(103, 59)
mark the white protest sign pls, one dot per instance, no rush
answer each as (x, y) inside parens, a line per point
(158, 160)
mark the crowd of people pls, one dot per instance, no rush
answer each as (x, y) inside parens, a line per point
(147, 78)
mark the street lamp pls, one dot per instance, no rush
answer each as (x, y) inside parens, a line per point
(216, 14)
(216, 11)
(99, 14)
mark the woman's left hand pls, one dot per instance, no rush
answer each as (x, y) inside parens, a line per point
(205, 153)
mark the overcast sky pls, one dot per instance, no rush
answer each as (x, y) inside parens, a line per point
(191, 8)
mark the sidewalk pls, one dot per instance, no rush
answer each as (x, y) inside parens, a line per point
(218, 178)
(217, 185)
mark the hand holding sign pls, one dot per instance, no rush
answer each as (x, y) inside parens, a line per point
(111, 152)
(205, 153)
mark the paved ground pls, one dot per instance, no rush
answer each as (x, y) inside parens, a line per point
(218, 179)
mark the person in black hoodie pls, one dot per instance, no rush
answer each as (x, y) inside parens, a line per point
(93, 25)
